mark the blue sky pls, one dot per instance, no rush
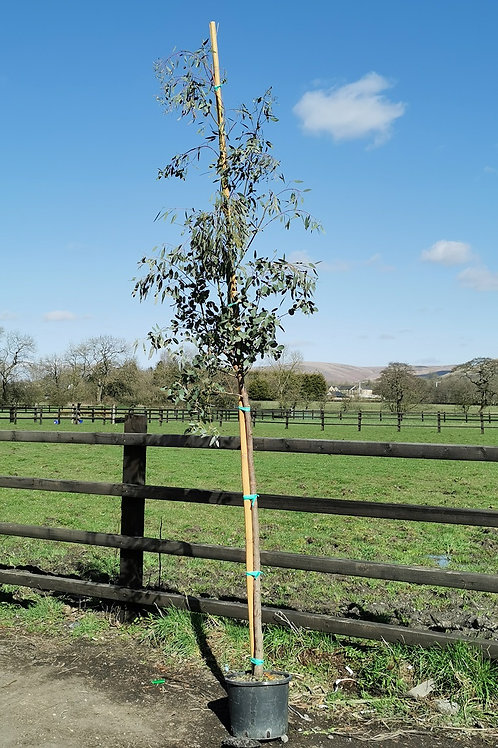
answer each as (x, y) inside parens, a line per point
(388, 112)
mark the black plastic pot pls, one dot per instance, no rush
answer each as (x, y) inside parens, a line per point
(258, 709)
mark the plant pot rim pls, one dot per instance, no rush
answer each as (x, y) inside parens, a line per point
(238, 678)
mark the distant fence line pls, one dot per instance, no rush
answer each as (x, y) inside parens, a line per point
(357, 418)
(132, 544)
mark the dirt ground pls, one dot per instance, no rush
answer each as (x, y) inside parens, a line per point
(86, 693)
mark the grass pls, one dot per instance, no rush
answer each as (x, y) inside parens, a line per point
(382, 672)
(446, 483)
(349, 679)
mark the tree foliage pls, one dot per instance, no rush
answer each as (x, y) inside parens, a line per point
(228, 300)
(314, 386)
(399, 386)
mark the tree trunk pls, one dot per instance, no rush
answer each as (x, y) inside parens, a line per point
(253, 561)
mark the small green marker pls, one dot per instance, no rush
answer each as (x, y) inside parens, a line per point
(158, 682)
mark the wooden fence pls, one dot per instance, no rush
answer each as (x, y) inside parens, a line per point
(132, 544)
(358, 419)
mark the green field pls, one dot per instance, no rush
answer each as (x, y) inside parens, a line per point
(448, 483)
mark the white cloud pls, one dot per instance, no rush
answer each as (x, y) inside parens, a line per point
(301, 255)
(7, 315)
(58, 315)
(447, 253)
(480, 278)
(356, 110)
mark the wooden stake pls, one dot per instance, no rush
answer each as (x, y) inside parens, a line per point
(251, 521)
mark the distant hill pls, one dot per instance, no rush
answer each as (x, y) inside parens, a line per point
(347, 374)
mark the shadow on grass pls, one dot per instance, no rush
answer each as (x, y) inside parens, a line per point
(198, 627)
(10, 599)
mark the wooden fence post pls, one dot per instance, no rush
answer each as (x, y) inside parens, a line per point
(400, 417)
(322, 416)
(132, 509)
(439, 422)
(482, 422)
(359, 420)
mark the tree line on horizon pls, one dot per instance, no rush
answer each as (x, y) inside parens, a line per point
(103, 370)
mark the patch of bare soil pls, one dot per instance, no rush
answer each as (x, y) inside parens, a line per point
(84, 693)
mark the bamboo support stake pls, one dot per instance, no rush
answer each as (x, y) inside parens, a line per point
(245, 427)
(249, 540)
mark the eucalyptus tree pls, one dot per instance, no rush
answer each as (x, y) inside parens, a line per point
(228, 297)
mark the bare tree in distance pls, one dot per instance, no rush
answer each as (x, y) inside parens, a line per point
(284, 378)
(483, 373)
(54, 375)
(16, 356)
(97, 358)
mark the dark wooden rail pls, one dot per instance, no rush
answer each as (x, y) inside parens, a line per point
(264, 444)
(316, 621)
(350, 507)
(371, 569)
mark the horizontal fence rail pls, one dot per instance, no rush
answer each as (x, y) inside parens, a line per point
(264, 444)
(371, 569)
(316, 621)
(133, 492)
(350, 507)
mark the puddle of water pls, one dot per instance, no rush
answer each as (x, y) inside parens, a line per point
(442, 561)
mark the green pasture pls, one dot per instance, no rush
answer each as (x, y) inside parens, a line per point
(448, 483)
